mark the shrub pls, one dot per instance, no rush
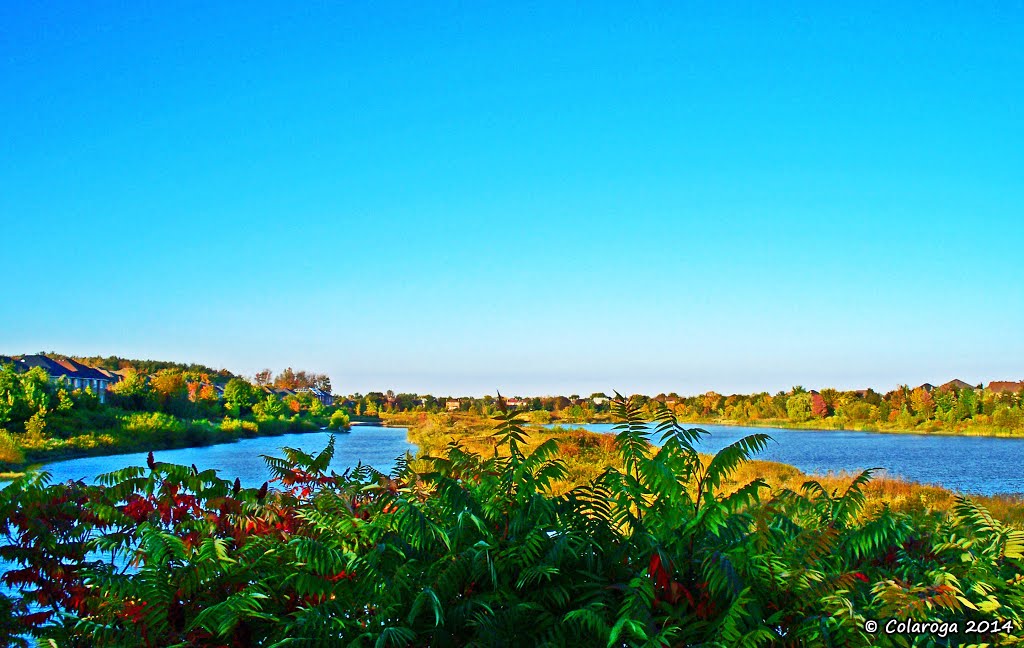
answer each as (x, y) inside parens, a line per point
(339, 421)
(237, 427)
(540, 417)
(35, 427)
(10, 451)
(153, 429)
(273, 425)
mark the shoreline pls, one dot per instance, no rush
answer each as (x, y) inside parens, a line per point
(67, 454)
(800, 428)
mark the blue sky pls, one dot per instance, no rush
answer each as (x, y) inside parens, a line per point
(531, 197)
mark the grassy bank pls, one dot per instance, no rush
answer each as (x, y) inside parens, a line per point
(828, 424)
(588, 454)
(143, 432)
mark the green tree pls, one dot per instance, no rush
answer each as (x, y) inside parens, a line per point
(270, 406)
(240, 393)
(798, 407)
(316, 408)
(966, 404)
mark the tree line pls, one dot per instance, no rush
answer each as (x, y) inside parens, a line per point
(953, 408)
(42, 418)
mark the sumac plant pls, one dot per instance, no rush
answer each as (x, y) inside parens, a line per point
(468, 549)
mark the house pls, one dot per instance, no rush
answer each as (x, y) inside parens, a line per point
(284, 392)
(928, 387)
(280, 392)
(74, 374)
(326, 399)
(113, 376)
(452, 404)
(1005, 386)
(516, 402)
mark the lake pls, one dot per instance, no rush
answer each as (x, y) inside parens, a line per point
(985, 465)
(982, 465)
(370, 444)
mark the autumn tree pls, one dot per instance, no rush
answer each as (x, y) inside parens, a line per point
(832, 400)
(131, 392)
(263, 377)
(710, 403)
(922, 403)
(819, 408)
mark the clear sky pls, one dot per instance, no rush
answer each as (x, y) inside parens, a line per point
(532, 197)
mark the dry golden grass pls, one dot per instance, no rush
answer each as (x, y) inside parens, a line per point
(588, 454)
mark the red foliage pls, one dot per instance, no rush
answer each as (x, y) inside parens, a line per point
(658, 574)
(819, 409)
(138, 508)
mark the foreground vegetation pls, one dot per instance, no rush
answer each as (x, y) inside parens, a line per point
(663, 548)
(43, 420)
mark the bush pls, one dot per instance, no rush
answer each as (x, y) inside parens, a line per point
(339, 421)
(539, 417)
(237, 427)
(152, 429)
(273, 425)
(10, 451)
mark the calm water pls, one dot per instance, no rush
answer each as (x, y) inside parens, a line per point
(985, 465)
(376, 446)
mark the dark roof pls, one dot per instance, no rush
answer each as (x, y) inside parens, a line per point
(79, 370)
(278, 391)
(64, 367)
(927, 387)
(46, 364)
